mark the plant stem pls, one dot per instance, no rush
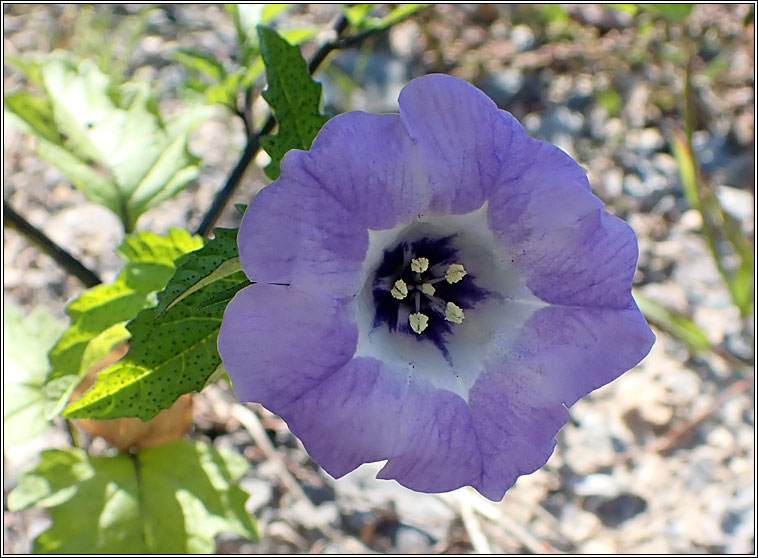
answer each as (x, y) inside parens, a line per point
(219, 202)
(62, 257)
(321, 54)
(253, 140)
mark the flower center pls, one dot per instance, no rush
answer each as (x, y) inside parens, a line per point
(422, 289)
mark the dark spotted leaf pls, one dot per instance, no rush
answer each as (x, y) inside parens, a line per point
(99, 314)
(173, 348)
(293, 97)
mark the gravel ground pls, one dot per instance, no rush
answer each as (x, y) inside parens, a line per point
(660, 461)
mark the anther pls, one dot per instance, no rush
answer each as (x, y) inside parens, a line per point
(419, 265)
(399, 290)
(454, 313)
(419, 322)
(455, 273)
(428, 289)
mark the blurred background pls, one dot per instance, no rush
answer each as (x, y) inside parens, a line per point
(656, 102)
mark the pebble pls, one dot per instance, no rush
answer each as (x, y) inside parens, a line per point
(578, 525)
(522, 37)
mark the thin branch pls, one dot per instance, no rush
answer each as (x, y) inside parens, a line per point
(670, 440)
(253, 140)
(68, 262)
(321, 54)
(221, 199)
(474, 529)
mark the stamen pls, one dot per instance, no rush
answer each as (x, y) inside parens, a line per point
(400, 290)
(455, 273)
(454, 313)
(428, 289)
(419, 322)
(419, 265)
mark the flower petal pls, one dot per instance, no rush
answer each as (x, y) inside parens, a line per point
(462, 137)
(369, 412)
(546, 220)
(566, 352)
(562, 354)
(296, 233)
(278, 342)
(592, 265)
(541, 189)
(369, 164)
(516, 437)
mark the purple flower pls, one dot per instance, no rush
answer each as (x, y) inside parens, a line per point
(434, 288)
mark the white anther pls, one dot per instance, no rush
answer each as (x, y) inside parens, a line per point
(419, 265)
(428, 289)
(418, 322)
(454, 313)
(455, 273)
(399, 290)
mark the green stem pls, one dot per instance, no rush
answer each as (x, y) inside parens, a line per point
(41, 240)
(253, 140)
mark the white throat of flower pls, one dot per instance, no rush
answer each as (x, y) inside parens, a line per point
(476, 334)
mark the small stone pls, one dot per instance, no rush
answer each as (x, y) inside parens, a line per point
(261, 493)
(411, 541)
(616, 511)
(577, 524)
(597, 484)
(522, 37)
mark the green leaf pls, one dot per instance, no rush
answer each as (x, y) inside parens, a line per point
(686, 166)
(671, 12)
(137, 504)
(630, 9)
(215, 260)
(673, 323)
(553, 13)
(26, 398)
(251, 15)
(28, 66)
(109, 140)
(98, 315)
(293, 97)
(358, 16)
(201, 63)
(717, 225)
(299, 35)
(221, 298)
(397, 14)
(742, 285)
(35, 115)
(610, 100)
(173, 348)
